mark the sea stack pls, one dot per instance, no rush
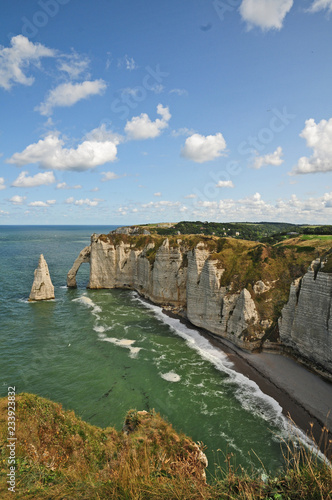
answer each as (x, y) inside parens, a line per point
(42, 288)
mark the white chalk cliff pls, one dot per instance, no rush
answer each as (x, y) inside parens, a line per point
(42, 287)
(191, 283)
(306, 320)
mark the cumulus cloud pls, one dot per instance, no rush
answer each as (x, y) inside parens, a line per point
(98, 148)
(191, 196)
(269, 159)
(4, 212)
(90, 203)
(15, 60)
(41, 204)
(64, 185)
(42, 179)
(200, 148)
(318, 5)
(318, 137)
(68, 94)
(249, 208)
(87, 201)
(2, 183)
(17, 200)
(225, 184)
(266, 14)
(141, 127)
(109, 176)
(157, 194)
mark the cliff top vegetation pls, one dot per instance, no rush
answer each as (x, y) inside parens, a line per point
(268, 232)
(60, 456)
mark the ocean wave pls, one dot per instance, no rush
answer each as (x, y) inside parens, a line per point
(171, 376)
(127, 343)
(89, 303)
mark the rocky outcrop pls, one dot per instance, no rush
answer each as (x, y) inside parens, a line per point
(42, 287)
(305, 325)
(84, 256)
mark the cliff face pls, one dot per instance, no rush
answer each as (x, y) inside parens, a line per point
(306, 320)
(184, 279)
(198, 280)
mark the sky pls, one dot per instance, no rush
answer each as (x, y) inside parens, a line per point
(130, 112)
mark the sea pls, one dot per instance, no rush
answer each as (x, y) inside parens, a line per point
(104, 352)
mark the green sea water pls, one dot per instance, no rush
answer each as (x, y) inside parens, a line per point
(103, 352)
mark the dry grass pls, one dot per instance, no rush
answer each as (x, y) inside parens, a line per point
(61, 457)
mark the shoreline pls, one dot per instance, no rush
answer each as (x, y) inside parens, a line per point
(305, 397)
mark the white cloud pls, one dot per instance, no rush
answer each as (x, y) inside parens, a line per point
(266, 14)
(250, 208)
(141, 127)
(42, 179)
(318, 5)
(44, 204)
(95, 189)
(2, 183)
(100, 147)
(109, 176)
(200, 148)
(269, 159)
(17, 200)
(3, 212)
(90, 203)
(318, 137)
(17, 58)
(68, 94)
(87, 201)
(225, 184)
(191, 196)
(157, 194)
(179, 92)
(64, 185)
(74, 65)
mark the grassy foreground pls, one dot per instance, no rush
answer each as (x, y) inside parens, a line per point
(58, 456)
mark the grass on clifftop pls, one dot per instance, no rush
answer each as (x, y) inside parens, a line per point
(61, 457)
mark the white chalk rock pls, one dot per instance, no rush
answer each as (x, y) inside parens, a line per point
(42, 288)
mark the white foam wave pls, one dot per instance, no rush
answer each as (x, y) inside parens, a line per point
(171, 376)
(89, 303)
(123, 343)
(99, 329)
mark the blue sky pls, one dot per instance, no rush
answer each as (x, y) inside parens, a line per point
(125, 112)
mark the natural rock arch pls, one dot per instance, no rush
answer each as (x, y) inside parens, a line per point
(84, 256)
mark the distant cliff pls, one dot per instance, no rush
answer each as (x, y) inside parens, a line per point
(237, 290)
